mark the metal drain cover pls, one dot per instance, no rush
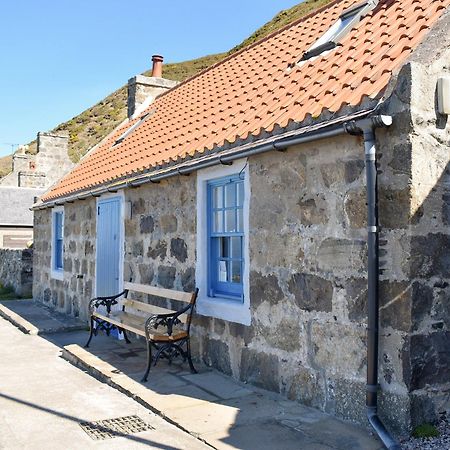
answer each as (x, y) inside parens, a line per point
(111, 428)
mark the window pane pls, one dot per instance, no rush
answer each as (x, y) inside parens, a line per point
(230, 198)
(236, 271)
(223, 250)
(58, 225)
(240, 219)
(240, 194)
(230, 220)
(218, 221)
(59, 254)
(236, 247)
(217, 197)
(222, 276)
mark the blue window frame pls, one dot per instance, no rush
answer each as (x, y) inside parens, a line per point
(226, 237)
(58, 221)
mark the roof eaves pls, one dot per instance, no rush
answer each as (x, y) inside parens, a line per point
(188, 165)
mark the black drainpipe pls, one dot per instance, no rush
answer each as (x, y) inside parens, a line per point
(366, 128)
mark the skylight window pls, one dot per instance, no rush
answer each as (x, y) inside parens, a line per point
(132, 128)
(345, 23)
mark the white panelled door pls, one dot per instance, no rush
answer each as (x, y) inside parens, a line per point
(108, 247)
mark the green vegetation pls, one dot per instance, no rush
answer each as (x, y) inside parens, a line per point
(91, 126)
(5, 165)
(7, 293)
(425, 430)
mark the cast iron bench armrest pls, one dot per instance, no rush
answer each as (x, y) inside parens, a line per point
(167, 320)
(105, 301)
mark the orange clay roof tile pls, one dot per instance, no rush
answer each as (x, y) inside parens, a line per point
(258, 89)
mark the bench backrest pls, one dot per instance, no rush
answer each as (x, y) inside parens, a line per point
(187, 297)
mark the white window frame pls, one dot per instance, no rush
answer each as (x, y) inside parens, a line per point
(57, 274)
(221, 308)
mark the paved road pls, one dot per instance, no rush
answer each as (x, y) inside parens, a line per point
(43, 399)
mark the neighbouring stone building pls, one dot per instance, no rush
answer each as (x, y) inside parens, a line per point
(42, 170)
(270, 132)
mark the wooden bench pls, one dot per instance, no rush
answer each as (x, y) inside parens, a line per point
(167, 331)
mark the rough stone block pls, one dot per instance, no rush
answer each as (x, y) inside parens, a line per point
(430, 256)
(356, 289)
(168, 223)
(311, 293)
(264, 288)
(422, 302)
(166, 276)
(260, 369)
(395, 305)
(314, 211)
(339, 348)
(146, 224)
(217, 354)
(159, 250)
(394, 208)
(356, 209)
(308, 387)
(430, 359)
(146, 273)
(178, 249)
(341, 254)
(446, 209)
(285, 336)
(188, 279)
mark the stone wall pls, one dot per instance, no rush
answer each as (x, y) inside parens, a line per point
(426, 270)
(70, 295)
(16, 270)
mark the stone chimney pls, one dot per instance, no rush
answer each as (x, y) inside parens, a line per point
(52, 157)
(143, 90)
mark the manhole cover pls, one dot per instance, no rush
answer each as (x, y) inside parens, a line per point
(111, 428)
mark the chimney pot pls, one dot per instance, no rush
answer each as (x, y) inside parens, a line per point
(157, 66)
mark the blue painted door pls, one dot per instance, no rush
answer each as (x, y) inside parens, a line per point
(108, 247)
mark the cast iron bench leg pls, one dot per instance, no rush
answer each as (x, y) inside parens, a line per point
(191, 365)
(149, 360)
(92, 333)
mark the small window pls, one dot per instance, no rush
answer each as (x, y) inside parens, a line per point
(58, 241)
(226, 237)
(344, 24)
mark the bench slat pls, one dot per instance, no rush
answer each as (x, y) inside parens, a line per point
(159, 292)
(124, 320)
(136, 325)
(152, 309)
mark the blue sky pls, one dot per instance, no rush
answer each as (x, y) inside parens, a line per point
(58, 57)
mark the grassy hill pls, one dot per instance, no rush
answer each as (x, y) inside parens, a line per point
(91, 126)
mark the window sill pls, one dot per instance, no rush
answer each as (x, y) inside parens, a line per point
(224, 308)
(57, 274)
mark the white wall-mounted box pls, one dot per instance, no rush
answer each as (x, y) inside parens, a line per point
(443, 95)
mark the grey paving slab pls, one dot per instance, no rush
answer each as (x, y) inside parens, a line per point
(43, 318)
(263, 436)
(219, 385)
(42, 408)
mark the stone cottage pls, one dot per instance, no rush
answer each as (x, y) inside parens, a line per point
(303, 184)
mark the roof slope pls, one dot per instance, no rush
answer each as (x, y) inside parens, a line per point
(15, 204)
(254, 91)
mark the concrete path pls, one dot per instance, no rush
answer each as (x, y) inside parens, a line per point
(43, 399)
(216, 409)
